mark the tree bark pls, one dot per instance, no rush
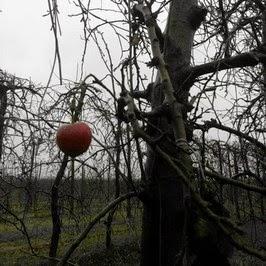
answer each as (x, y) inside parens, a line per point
(72, 188)
(55, 209)
(109, 219)
(3, 106)
(264, 86)
(163, 229)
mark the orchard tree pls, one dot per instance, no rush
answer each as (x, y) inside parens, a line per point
(181, 91)
(209, 62)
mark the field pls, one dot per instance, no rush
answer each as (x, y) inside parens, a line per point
(15, 250)
(126, 227)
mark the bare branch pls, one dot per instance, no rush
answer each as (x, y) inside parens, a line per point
(100, 215)
(242, 60)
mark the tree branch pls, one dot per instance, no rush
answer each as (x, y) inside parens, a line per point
(84, 234)
(213, 124)
(242, 60)
(232, 181)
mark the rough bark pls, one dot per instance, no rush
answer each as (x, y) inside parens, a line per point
(164, 205)
(264, 85)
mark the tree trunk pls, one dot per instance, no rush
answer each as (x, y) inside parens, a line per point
(129, 177)
(3, 106)
(109, 219)
(55, 209)
(72, 189)
(264, 90)
(163, 229)
(236, 194)
(82, 189)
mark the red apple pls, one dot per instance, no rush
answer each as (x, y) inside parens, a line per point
(74, 139)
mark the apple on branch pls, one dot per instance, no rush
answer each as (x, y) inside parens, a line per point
(74, 139)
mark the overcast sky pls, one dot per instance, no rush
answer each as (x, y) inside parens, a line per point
(27, 44)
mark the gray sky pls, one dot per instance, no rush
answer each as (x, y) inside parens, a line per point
(27, 44)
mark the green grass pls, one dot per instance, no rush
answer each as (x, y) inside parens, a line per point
(17, 252)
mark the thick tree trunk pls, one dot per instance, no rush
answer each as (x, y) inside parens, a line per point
(163, 217)
(264, 65)
(163, 232)
(264, 88)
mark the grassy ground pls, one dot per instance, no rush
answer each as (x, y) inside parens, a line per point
(14, 249)
(124, 252)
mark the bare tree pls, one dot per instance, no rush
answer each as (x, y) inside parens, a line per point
(184, 98)
(178, 117)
